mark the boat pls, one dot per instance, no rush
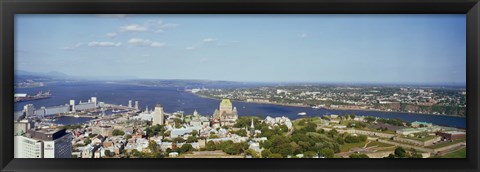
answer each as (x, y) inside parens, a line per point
(26, 97)
(302, 113)
(76, 116)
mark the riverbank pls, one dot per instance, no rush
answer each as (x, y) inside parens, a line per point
(325, 108)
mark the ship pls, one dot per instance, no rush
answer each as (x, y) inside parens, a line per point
(302, 113)
(26, 97)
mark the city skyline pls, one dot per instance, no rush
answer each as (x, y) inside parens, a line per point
(419, 49)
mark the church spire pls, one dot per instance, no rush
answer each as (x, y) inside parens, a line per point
(251, 125)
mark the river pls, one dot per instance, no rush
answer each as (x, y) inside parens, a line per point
(175, 99)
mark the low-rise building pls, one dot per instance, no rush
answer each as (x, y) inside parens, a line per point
(451, 135)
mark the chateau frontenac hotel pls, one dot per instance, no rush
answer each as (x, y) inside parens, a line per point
(226, 115)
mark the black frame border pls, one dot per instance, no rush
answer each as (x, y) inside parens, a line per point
(8, 8)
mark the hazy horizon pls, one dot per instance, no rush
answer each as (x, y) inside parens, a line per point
(400, 49)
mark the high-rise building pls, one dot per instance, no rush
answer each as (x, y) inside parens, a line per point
(21, 127)
(94, 100)
(29, 110)
(41, 112)
(72, 105)
(130, 104)
(158, 115)
(136, 105)
(45, 143)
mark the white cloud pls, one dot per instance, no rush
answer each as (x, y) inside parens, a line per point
(151, 25)
(303, 35)
(157, 44)
(145, 42)
(207, 40)
(112, 35)
(134, 28)
(189, 48)
(159, 26)
(72, 47)
(104, 44)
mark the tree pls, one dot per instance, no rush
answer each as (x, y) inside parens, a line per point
(178, 122)
(266, 153)
(167, 134)
(352, 116)
(301, 122)
(400, 152)
(210, 146)
(178, 140)
(152, 145)
(88, 141)
(284, 128)
(327, 153)
(108, 153)
(352, 139)
(186, 148)
(241, 132)
(252, 153)
(136, 153)
(191, 139)
(118, 132)
(310, 154)
(233, 149)
(275, 155)
(128, 137)
(369, 119)
(194, 133)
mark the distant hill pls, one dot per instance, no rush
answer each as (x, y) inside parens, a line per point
(21, 75)
(188, 84)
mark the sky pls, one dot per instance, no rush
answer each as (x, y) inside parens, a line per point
(422, 49)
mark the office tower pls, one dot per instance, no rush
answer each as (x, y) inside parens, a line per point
(158, 115)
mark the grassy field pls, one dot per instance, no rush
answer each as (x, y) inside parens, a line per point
(461, 153)
(347, 146)
(316, 120)
(379, 144)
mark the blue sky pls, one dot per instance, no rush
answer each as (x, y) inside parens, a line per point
(289, 48)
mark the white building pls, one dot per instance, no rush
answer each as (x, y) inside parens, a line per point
(158, 115)
(144, 116)
(29, 110)
(72, 105)
(278, 121)
(180, 132)
(47, 143)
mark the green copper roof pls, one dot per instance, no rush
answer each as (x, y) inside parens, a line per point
(225, 102)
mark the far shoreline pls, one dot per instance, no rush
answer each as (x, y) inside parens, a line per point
(340, 109)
